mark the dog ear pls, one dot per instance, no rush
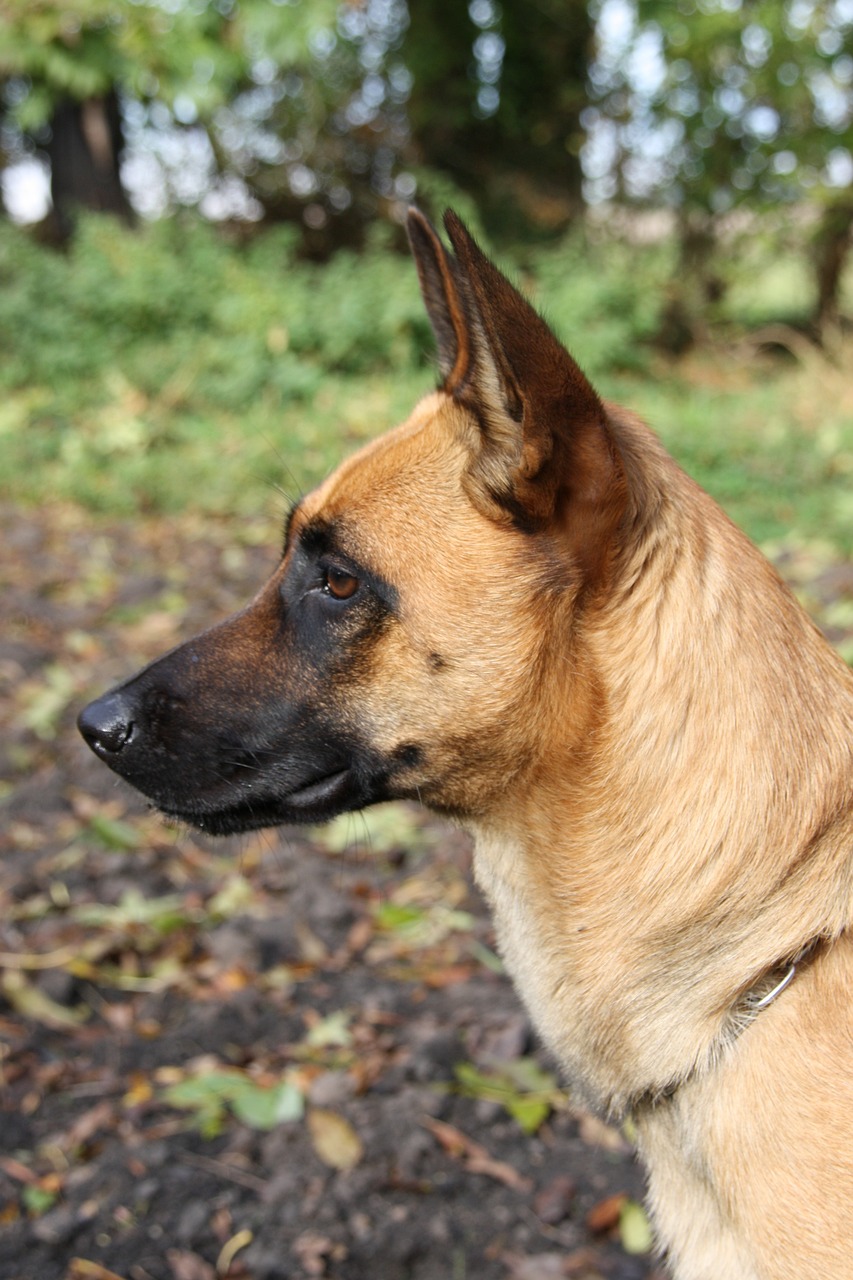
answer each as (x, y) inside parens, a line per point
(544, 453)
(442, 299)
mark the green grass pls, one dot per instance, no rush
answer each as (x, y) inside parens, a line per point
(771, 441)
(169, 369)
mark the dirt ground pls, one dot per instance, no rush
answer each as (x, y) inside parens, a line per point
(282, 1056)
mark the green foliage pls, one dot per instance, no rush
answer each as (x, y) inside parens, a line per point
(167, 367)
(170, 369)
(85, 49)
(211, 1095)
(753, 99)
(140, 366)
(522, 1088)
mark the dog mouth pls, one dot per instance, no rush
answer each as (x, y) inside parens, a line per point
(321, 791)
(315, 800)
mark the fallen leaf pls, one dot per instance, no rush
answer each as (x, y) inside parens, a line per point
(553, 1202)
(84, 1128)
(35, 1004)
(230, 1250)
(189, 1266)
(474, 1157)
(14, 1169)
(598, 1134)
(583, 1263)
(605, 1215)
(335, 1141)
(536, 1266)
(83, 1269)
(635, 1232)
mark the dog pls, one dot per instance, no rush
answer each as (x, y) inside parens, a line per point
(518, 610)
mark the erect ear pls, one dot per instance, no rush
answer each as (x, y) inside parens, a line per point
(442, 298)
(543, 453)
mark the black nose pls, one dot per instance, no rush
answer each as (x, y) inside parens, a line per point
(107, 725)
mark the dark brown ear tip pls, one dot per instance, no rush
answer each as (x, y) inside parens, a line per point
(423, 236)
(418, 223)
(453, 223)
(460, 237)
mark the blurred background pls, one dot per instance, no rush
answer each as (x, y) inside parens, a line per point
(296, 1054)
(204, 205)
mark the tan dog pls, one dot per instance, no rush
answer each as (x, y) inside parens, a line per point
(516, 608)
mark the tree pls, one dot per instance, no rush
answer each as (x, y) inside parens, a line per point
(723, 104)
(65, 68)
(496, 102)
(77, 76)
(316, 110)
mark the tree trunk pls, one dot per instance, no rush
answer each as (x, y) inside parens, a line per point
(522, 161)
(85, 149)
(694, 289)
(832, 244)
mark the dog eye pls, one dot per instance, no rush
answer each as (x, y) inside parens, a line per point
(340, 584)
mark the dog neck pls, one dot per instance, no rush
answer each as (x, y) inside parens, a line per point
(648, 873)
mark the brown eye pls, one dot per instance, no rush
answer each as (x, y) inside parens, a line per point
(341, 585)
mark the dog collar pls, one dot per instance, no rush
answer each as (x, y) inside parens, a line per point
(759, 997)
(741, 1016)
(756, 1004)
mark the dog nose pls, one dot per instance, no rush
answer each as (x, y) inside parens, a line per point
(107, 725)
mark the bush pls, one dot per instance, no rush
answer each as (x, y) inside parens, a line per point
(169, 365)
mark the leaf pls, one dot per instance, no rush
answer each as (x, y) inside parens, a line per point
(114, 834)
(47, 700)
(531, 1113)
(230, 1250)
(212, 1094)
(606, 1214)
(162, 915)
(235, 896)
(527, 1092)
(474, 1157)
(37, 1200)
(84, 1269)
(394, 918)
(331, 1031)
(634, 1229)
(35, 1004)
(380, 831)
(265, 1106)
(335, 1141)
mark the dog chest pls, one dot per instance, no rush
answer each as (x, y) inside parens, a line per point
(528, 952)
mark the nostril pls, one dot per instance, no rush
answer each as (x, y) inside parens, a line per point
(106, 725)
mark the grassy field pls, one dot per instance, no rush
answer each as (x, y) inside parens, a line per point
(168, 369)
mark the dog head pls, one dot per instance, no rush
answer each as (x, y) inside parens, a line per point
(401, 647)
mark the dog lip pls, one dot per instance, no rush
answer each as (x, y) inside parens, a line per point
(319, 790)
(313, 801)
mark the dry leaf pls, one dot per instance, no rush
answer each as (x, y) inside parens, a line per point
(189, 1266)
(335, 1141)
(475, 1158)
(598, 1134)
(553, 1202)
(230, 1250)
(83, 1269)
(605, 1215)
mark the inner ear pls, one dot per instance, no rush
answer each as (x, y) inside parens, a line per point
(443, 299)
